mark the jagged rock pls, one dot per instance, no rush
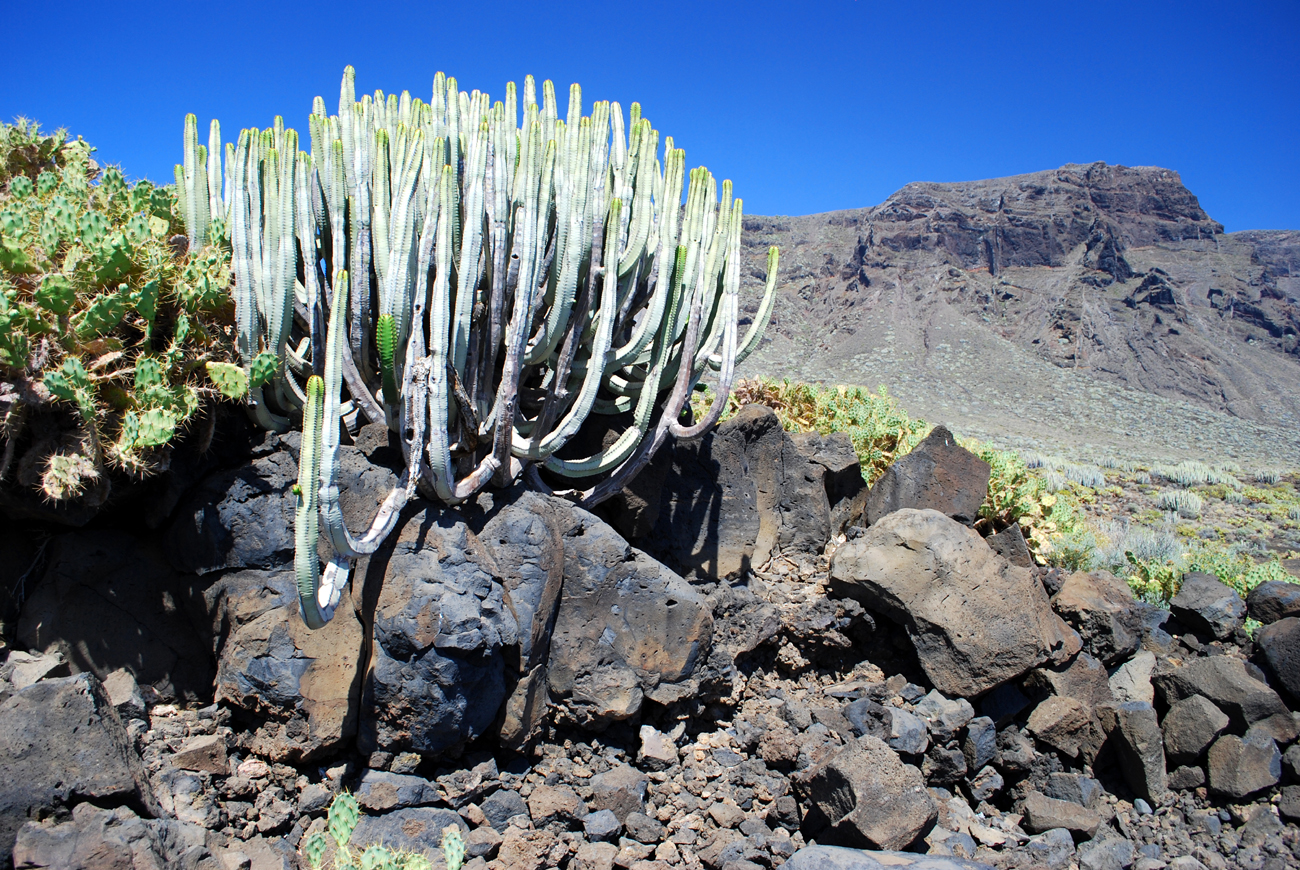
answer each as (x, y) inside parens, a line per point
(1206, 605)
(1190, 727)
(1103, 611)
(241, 518)
(901, 730)
(1066, 725)
(727, 501)
(380, 791)
(205, 753)
(557, 804)
(1280, 642)
(1052, 850)
(1141, 748)
(1083, 679)
(938, 474)
(839, 858)
(842, 478)
(1004, 703)
(1186, 777)
(109, 600)
(1110, 853)
(594, 856)
(60, 742)
(1225, 681)
(23, 669)
(469, 782)
(943, 766)
(482, 842)
(1131, 681)
(526, 538)
(867, 796)
(621, 790)
(949, 590)
(117, 839)
(1289, 806)
(1043, 813)
(981, 743)
(1015, 751)
(442, 630)
(124, 694)
(1011, 545)
(1075, 788)
(628, 628)
(943, 716)
(1239, 768)
(644, 829)
(1274, 600)
(299, 688)
(658, 751)
(601, 825)
(415, 829)
(501, 806)
(985, 784)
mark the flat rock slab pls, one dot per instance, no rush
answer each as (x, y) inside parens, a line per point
(942, 582)
(60, 742)
(840, 858)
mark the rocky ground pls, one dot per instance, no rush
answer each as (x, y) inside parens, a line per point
(762, 695)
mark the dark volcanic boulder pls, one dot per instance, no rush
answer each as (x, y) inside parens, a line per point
(1280, 643)
(298, 688)
(1189, 727)
(1206, 605)
(1011, 545)
(241, 518)
(939, 474)
(843, 470)
(1102, 609)
(942, 582)
(841, 858)
(527, 540)
(728, 500)
(1226, 682)
(118, 839)
(1241, 767)
(1274, 600)
(109, 600)
(61, 742)
(628, 627)
(442, 631)
(868, 797)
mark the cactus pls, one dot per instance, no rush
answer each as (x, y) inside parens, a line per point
(66, 475)
(342, 818)
(531, 272)
(313, 849)
(453, 847)
(229, 378)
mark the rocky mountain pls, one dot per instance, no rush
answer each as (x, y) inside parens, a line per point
(1093, 304)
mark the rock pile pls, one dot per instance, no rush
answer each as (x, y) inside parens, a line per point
(899, 694)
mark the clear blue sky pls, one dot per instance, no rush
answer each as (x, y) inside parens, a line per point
(807, 106)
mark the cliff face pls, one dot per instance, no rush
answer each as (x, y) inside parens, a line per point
(974, 299)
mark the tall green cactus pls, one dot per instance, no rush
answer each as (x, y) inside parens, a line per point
(512, 274)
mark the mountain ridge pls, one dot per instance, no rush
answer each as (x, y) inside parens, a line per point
(963, 296)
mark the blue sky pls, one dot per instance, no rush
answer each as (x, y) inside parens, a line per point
(808, 107)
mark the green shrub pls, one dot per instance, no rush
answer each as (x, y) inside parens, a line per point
(100, 313)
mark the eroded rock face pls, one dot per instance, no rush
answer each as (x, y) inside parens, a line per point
(628, 627)
(118, 839)
(300, 688)
(109, 600)
(442, 631)
(939, 474)
(943, 583)
(61, 741)
(729, 499)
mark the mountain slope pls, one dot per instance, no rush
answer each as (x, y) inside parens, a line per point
(1085, 305)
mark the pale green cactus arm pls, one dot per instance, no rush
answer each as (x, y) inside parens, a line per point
(306, 526)
(755, 332)
(193, 182)
(216, 206)
(331, 512)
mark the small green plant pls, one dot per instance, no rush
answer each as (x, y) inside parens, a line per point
(341, 823)
(453, 847)
(1268, 475)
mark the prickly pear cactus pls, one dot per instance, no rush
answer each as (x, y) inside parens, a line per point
(344, 814)
(453, 847)
(313, 849)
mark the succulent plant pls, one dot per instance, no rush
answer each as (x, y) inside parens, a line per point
(483, 284)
